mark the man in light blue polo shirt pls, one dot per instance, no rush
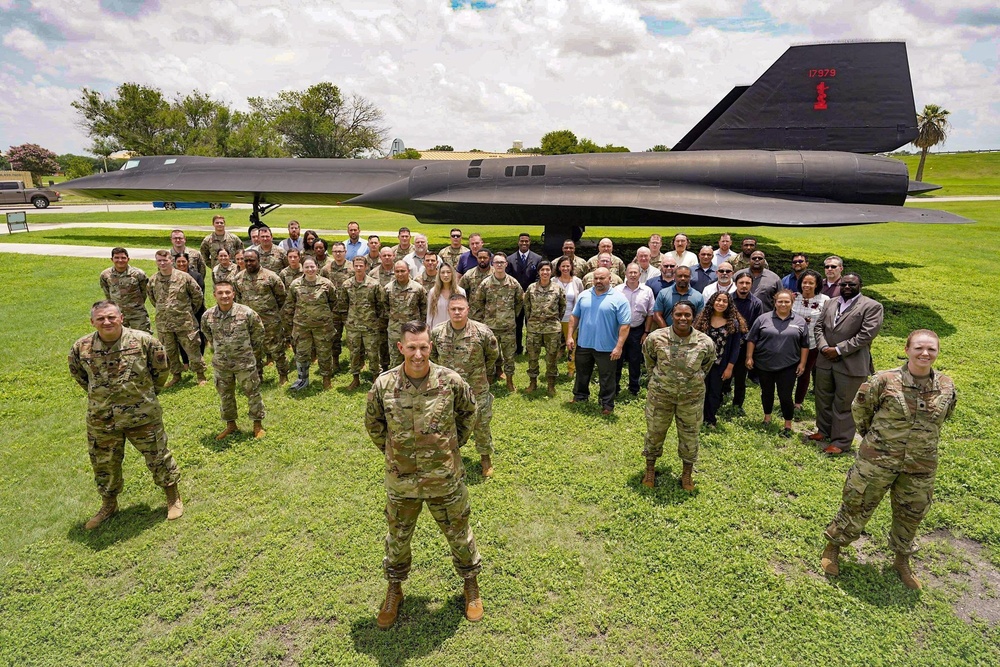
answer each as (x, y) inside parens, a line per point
(603, 316)
(354, 245)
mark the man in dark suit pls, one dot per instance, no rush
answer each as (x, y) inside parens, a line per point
(523, 266)
(844, 335)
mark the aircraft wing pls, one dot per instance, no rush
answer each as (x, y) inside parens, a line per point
(694, 201)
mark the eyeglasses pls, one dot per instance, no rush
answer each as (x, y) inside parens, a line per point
(830, 266)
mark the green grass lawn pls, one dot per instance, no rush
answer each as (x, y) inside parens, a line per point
(959, 173)
(277, 559)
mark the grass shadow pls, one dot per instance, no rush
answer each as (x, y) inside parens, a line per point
(874, 586)
(475, 467)
(667, 491)
(419, 631)
(902, 317)
(123, 526)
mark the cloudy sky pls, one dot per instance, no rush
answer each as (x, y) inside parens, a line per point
(479, 74)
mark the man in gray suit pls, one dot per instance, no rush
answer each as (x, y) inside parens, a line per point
(844, 335)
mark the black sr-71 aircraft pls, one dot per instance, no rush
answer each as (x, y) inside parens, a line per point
(793, 149)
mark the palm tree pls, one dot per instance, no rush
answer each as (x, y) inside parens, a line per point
(932, 129)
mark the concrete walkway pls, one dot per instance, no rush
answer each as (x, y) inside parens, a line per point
(92, 251)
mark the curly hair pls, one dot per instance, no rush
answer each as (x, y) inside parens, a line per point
(734, 321)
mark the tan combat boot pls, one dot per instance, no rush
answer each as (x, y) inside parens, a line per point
(532, 386)
(202, 380)
(228, 431)
(473, 603)
(326, 383)
(902, 566)
(390, 606)
(487, 464)
(355, 383)
(258, 429)
(175, 378)
(510, 383)
(551, 390)
(109, 505)
(282, 379)
(830, 560)
(686, 482)
(175, 508)
(649, 479)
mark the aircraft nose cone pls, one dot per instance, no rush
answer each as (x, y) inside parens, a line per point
(394, 193)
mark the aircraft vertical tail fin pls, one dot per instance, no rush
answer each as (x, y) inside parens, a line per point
(854, 97)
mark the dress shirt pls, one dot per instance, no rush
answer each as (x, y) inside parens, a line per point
(640, 301)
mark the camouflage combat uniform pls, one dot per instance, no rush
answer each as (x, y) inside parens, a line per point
(309, 311)
(128, 291)
(121, 380)
(499, 302)
(406, 302)
(677, 368)
(337, 275)
(899, 418)
(384, 278)
(617, 265)
(237, 339)
(177, 298)
(471, 281)
(288, 274)
(420, 431)
(212, 244)
(273, 259)
(265, 293)
(426, 281)
(472, 353)
(365, 304)
(451, 256)
(195, 262)
(221, 273)
(543, 311)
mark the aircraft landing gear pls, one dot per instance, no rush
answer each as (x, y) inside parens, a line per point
(258, 212)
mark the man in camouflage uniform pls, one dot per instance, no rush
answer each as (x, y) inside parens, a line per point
(309, 311)
(605, 246)
(419, 415)
(453, 252)
(272, 257)
(178, 247)
(218, 240)
(126, 286)
(383, 273)
(604, 261)
(362, 298)
(263, 291)
(470, 349)
(404, 247)
(337, 271)
(677, 359)
(407, 302)
(236, 335)
(544, 305)
(177, 297)
(428, 275)
(473, 279)
(499, 299)
(579, 264)
(122, 370)
(899, 414)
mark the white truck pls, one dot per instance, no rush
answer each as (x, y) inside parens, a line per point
(14, 192)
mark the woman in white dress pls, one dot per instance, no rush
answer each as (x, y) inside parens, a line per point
(437, 301)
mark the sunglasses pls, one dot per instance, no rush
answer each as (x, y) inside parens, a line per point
(724, 271)
(830, 266)
(798, 261)
(670, 266)
(456, 236)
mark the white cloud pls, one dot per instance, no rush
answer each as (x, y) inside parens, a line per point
(471, 78)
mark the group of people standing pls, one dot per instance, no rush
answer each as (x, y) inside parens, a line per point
(450, 324)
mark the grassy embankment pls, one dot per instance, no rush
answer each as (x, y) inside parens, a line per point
(277, 559)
